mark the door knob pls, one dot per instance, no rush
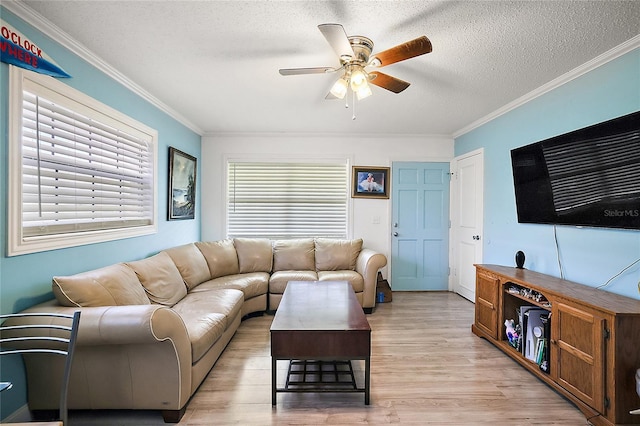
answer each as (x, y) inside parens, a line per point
(395, 234)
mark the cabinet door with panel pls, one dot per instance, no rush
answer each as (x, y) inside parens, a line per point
(577, 352)
(487, 299)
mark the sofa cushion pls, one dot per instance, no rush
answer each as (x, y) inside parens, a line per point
(191, 264)
(160, 278)
(254, 254)
(294, 255)
(206, 315)
(354, 278)
(113, 285)
(221, 257)
(252, 284)
(334, 255)
(278, 281)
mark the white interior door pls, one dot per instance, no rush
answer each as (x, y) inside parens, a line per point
(466, 221)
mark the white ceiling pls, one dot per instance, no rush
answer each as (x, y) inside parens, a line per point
(215, 63)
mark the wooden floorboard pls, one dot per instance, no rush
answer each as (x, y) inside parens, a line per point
(427, 368)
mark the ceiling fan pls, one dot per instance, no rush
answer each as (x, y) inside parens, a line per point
(355, 55)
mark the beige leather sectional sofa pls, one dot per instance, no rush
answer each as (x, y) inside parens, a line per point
(151, 329)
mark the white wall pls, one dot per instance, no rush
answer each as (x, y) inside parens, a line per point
(361, 151)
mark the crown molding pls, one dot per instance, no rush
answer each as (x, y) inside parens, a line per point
(41, 23)
(596, 62)
(311, 135)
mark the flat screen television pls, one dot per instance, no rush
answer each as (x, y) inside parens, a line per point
(588, 177)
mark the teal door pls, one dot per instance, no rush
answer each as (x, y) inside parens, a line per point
(420, 226)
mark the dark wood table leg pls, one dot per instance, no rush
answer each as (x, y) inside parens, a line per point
(367, 379)
(273, 380)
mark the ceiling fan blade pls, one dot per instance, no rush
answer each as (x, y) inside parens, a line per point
(337, 38)
(299, 71)
(385, 81)
(410, 49)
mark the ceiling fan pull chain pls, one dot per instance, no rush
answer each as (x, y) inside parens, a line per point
(353, 101)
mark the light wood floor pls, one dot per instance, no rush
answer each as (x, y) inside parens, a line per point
(426, 368)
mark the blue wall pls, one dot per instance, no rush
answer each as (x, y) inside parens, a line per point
(26, 280)
(589, 256)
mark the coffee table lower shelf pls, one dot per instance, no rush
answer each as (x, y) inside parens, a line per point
(320, 376)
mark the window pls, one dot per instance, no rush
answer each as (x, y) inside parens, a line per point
(80, 172)
(287, 200)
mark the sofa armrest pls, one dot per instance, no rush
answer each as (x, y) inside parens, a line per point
(127, 357)
(367, 265)
(122, 325)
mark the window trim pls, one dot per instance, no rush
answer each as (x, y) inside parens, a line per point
(16, 243)
(270, 158)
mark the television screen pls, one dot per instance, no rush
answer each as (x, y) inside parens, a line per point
(588, 177)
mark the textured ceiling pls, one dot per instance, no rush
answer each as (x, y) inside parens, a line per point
(216, 62)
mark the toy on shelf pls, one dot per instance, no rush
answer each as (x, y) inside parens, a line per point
(513, 333)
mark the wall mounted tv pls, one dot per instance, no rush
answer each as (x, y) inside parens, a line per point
(588, 177)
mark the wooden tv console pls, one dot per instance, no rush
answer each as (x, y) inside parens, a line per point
(594, 338)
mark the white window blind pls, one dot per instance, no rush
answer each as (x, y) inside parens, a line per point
(287, 200)
(84, 173)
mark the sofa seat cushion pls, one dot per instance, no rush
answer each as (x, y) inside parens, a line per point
(278, 281)
(354, 278)
(337, 255)
(252, 285)
(191, 264)
(160, 278)
(206, 315)
(114, 285)
(294, 255)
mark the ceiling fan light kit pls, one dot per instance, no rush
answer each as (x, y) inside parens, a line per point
(340, 87)
(354, 53)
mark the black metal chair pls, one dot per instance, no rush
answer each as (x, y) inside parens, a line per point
(42, 333)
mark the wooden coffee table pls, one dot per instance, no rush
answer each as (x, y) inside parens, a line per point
(320, 327)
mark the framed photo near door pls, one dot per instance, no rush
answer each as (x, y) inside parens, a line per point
(182, 185)
(370, 182)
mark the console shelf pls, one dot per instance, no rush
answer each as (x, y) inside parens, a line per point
(593, 337)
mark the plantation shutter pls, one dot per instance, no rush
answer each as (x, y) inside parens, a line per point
(81, 172)
(287, 200)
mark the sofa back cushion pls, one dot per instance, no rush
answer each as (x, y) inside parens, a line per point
(294, 255)
(221, 257)
(160, 278)
(254, 254)
(114, 285)
(191, 264)
(337, 255)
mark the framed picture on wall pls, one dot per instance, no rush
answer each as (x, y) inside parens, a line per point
(370, 182)
(182, 185)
